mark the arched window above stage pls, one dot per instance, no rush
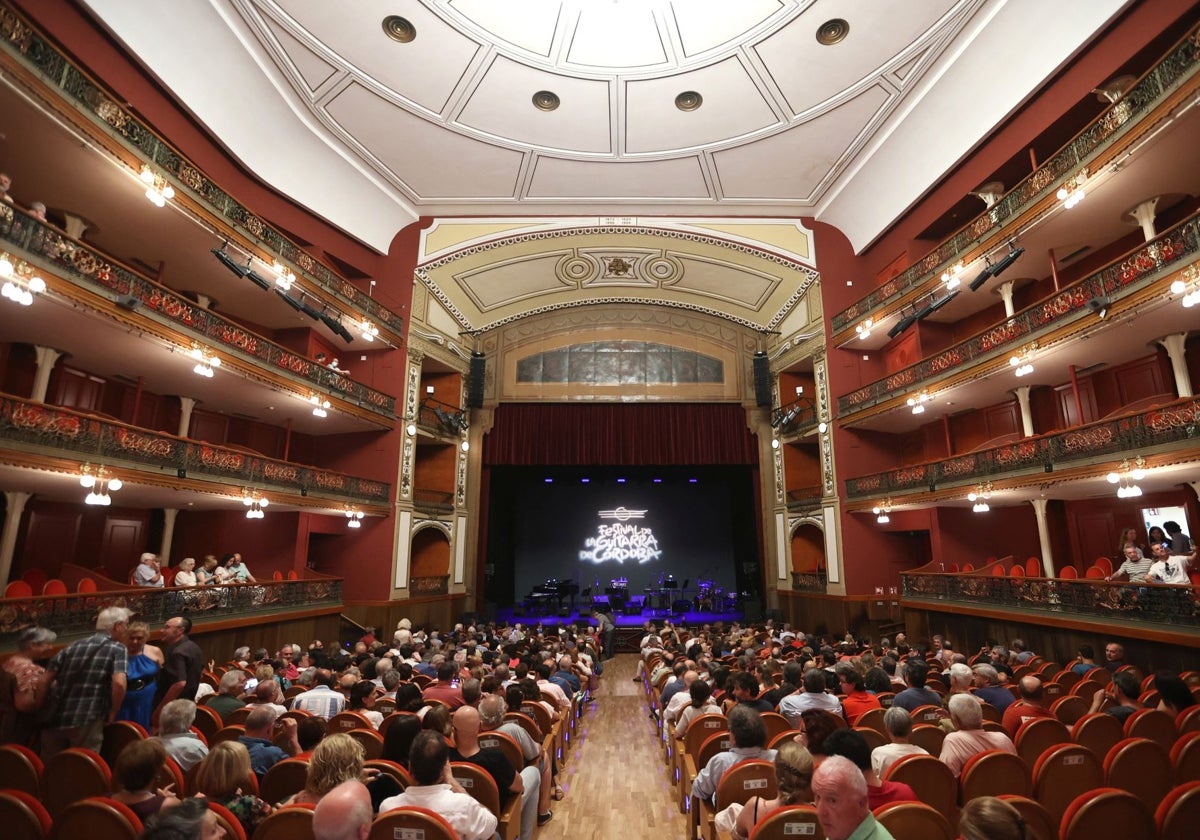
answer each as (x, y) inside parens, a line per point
(620, 362)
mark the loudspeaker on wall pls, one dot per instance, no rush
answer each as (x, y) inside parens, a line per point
(762, 380)
(475, 376)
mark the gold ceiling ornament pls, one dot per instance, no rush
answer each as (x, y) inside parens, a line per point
(399, 29)
(546, 100)
(832, 32)
(689, 100)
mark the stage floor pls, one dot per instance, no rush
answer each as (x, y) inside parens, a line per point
(690, 618)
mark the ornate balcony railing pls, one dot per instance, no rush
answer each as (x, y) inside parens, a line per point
(57, 431)
(1116, 121)
(92, 269)
(431, 585)
(26, 45)
(1137, 269)
(813, 581)
(1156, 427)
(73, 615)
(1158, 604)
(804, 498)
(433, 501)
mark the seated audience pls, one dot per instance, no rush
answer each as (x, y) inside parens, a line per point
(969, 737)
(898, 723)
(185, 575)
(225, 777)
(525, 784)
(813, 696)
(229, 694)
(436, 789)
(1114, 655)
(988, 687)
(338, 758)
(148, 571)
(1126, 690)
(989, 818)
(321, 700)
(701, 703)
(362, 700)
(133, 775)
(446, 688)
(190, 820)
(857, 700)
(749, 736)
(257, 739)
(344, 813)
(915, 672)
(1031, 704)
(793, 776)
(20, 699)
(175, 732)
(1134, 566)
(1174, 694)
(840, 794)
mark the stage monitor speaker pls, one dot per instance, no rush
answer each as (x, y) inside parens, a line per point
(475, 376)
(762, 380)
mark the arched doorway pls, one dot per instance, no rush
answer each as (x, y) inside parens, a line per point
(808, 557)
(430, 561)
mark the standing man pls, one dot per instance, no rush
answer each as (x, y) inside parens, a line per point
(606, 628)
(180, 676)
(89, 680)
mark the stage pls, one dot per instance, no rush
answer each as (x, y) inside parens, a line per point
(629, 631)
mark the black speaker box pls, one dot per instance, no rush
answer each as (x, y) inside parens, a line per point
(475, 377)
(762, 380)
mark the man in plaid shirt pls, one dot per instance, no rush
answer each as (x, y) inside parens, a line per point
(88, 678)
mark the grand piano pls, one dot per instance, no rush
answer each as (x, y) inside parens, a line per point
(548, 597)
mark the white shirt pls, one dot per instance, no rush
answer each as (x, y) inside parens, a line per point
(469, 819)
(1171, 570)
(794, 705)
(884, 757)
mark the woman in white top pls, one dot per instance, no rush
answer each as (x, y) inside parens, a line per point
(702, 704)
(185, 575)
(898, 723)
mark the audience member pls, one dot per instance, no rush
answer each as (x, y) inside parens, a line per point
(1030, 705)
(148, 571)
(749, 736)
(989, 818)
(840, 794)
(1174, 694)
(509, 782)
(813, 696)
(1085, 660)
(857, 700)
(175, 733)
(969, 737)
(917, 694)
(344, 813)
(793, 776)
(5, 185)
(180, 675)
(321, 700)
(88, 680)
(134, 774)
(701, 703)
(338, 758)
(446, 689)
(1134, 565)
(185, 575)
(436, 790)
(1181, 543)
(256, 738)
(20, 699)
(1114, 655)
(229, 694)
(898, 723)
(852, 745)
(225, 777)
(1125, 689)
(988, 687)
(190, 820)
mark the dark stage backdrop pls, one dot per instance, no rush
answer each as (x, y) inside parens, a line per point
(694, 523)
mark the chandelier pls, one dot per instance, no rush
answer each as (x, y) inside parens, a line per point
(354, 517)
(254, 503)
(1126, 476)
(982, 493)
(158, 191)
(882, 510)
(21, 281)
(320, 405)
(99, 483)
(205, 362)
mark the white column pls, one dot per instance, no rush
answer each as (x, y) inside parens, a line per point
(1039, 510)
(164, 551)
(186, 404)
(1143, 214)
(46, 357)
(14, 505)
(1022, 392)
(1174, 345)
(1005, 290)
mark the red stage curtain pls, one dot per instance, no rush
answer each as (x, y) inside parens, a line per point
(571, 434)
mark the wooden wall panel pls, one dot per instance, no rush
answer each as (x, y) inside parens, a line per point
(430, 553)
(121, 547)
(77, 389)
(904, 351)
(808, 549)
(50, 539)
(209, 427)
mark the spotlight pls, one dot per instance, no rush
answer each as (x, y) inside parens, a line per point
(229, 262)
(926, 309)
(982, 277)
(289, 300)
(256, 278)
(1014, 254)
(904, 323)
(938, 304)
(309, 310)
(1100, 305)
(336, 327)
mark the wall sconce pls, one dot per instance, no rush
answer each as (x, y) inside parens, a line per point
(1126, 475)
(158, 191)
(254, 502)
(99, 483)
(465, 446)
(21, 281)
(411, 428)
(774, 443)
(982, 493)
(882, 510)
(354, 517)
(204, 362)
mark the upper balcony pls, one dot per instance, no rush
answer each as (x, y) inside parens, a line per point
(1097, 154)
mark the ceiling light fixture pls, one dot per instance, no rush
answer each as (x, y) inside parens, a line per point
(982, 493)
(320, 405)
(917, 403)
(355, 517)
(1186, 284)
(952, 277)
(253, 500)
(158, 191)
(99, 483)
(864, 329)
(21, 281)
(284, 277)
(882, 510)
(367, 330)
(1071, 192)
(205, 362)
(1022, 360)
(1127, 475)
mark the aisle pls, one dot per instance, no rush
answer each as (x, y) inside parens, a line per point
(616, 782)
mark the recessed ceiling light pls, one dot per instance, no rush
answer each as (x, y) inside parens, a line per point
(399, 29)
(832, 32)
(689, 100)
(545, 100)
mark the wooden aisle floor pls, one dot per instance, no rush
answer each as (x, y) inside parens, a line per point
(616, 782)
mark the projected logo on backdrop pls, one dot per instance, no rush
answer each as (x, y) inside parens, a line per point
(621, 541)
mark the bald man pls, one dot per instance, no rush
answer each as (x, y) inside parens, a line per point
(1029, 705)
(525, 784)
(344, 813)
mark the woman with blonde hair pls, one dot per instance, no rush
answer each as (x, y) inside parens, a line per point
(225, 776)
(793, 774)
(207, 574)
(338, 758)
(989, 818)
(141, 675)
(185, 575)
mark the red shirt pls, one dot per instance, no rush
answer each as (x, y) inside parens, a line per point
(858, 703)
(1019, 712)
(889, 792)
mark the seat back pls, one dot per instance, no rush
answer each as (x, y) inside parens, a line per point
(371, 741)
(933, 715)
(20, 768)
(713, 744)
(506, 744)
(18, 589)
(1062, 773)
(913, 821)
(788, 821)
(744, 780)
(227, 733)
(992, 773)
(77, 774)
(928, 738)
(283, 779)
(1070, 709)
(1038, 823)
(872, 736)
(527, 723)
(1097, 731)
(234, 830)
(97, 818)
(1188, 720)
(1106, 812)
(1142, 767)
(411, 822)
(1038, 735)
(1185, 758)
(208, 722)
(701, 728)
(239, 715)
(23, 816)
(1178, 814)
(873, 719)
(1153, 724)
(294, 822)
(1068, 573)
(478, 783)
(345, 721)
(389, 719)
(390, 768)
(117, 736)
(775, 723)
(930, 779)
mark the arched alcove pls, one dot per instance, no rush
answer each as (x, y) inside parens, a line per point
(808, 549)
(430, 560)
